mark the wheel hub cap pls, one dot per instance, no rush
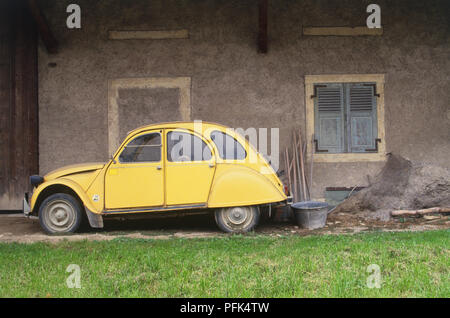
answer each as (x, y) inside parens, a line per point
(59, 216)
(238, 216)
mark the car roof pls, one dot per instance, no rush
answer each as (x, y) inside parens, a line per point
(178, 124)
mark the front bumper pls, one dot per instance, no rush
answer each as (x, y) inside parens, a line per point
(26, 205)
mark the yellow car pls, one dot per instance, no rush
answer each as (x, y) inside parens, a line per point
(162, 168)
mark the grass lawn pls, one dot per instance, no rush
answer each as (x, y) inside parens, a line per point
(412, 265)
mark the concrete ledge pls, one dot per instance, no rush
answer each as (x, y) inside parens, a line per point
(341, 31)
(148, 35)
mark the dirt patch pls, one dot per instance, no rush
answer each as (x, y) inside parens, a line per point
(401, 184)
(352, 223)
(17, 228)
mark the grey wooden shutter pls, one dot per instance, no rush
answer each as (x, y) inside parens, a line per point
(329, 117)
(362, 117)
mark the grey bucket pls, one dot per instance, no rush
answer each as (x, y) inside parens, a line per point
(310, 214)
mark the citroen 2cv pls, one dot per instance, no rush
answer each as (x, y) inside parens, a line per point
(161, 168)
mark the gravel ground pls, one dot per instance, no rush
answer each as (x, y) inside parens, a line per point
(18, 228)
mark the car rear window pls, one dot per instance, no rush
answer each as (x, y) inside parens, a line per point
(229, 148)
(184, 146)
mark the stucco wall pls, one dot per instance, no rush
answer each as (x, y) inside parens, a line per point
(232, 84)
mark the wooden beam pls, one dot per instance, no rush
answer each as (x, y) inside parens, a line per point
(262, 33)
(46, 34)
(148, 35)
(341, 31)
(420, 212)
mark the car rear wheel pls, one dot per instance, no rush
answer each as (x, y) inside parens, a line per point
(237, 219)
(60, 213)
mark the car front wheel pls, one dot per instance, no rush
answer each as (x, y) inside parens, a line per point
(237, 219)
(60, 213)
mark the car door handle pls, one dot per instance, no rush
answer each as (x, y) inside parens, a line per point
(211, 165)
(158, 168)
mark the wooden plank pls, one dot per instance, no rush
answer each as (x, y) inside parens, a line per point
(26, 101)
(5, 98)
(420, 212)
(5, 74)
(342, 31)
(288, 169)
(262, 19)
(302, 168)
(18, 106)
(311, 166)
(12, 115)
(297, 164)
(148, 35)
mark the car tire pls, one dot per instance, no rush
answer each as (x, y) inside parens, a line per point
(60, 213)
(237, 219)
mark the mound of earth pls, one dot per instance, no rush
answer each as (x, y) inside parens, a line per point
(401, 184)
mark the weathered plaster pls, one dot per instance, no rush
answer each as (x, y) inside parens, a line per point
(232, 84)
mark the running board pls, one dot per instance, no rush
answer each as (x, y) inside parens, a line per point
(158, 209)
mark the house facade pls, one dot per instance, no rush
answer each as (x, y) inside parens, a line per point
(355, 93)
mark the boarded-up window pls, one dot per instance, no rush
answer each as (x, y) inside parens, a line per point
(345, 117)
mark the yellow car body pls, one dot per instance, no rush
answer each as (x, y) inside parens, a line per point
(119, 186)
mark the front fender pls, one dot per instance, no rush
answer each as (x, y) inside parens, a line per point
(67, 183)
(238, 186)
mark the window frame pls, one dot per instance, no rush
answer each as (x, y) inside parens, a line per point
(310, 81)
(218, 150)
(138, 136)
(345, 116)
(186, 131)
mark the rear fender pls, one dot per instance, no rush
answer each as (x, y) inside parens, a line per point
(239, 185)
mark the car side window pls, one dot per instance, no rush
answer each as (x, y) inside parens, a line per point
(184, 146)
(144, 148)
(229, 148)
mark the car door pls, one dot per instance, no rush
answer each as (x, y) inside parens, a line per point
(136, 177)
(190, 166)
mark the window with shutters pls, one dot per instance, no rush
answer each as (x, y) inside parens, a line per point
(346, 116)
(343, 117)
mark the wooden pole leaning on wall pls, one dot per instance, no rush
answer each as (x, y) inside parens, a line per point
(311, 165)
(299, 185)
(288, 170)
(294, 172)
(305, 160)
(302, 167)
(297, 165)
